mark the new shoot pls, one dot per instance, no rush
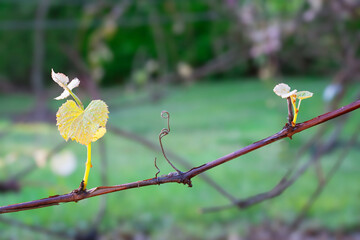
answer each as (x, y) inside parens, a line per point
(283, 90)
(82, 125)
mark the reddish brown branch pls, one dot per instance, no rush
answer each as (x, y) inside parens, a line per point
(287, 131)
(291, 176)
(185, 177)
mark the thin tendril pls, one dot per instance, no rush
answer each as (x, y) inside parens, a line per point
(163, 133)
(166, 115)
(156, 168)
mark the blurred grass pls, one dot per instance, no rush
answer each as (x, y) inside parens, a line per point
(208, 120)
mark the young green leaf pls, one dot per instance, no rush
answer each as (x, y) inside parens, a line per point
(303, 95)
(283, 90)
(82, 125)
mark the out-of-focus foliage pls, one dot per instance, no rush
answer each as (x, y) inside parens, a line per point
(115, 41)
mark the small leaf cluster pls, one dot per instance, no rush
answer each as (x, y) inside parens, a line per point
(283, 90)
(73, 121)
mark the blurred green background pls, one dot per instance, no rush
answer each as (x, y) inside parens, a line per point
(212, 65)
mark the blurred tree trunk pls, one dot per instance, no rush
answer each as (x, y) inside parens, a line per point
(38, 61)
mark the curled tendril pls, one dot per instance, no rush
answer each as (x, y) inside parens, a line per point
(163, 133)
(166, 115)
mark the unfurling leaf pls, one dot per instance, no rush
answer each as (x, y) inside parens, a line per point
(73, 84)
(83, 126)
(303, 95)
(63, 80)
(59, 78)
(283, 90)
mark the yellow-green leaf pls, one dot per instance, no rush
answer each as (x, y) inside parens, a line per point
(304, 94)
(82, 125)
(99, 134)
